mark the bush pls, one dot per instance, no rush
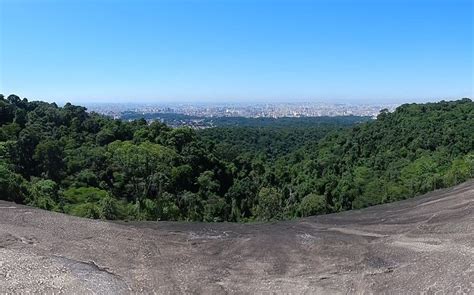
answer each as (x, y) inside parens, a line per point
(13, 187)
(84, 195)
(110, 209)
(88, 202)
(312, 204)
(87, 210)
(44, 194)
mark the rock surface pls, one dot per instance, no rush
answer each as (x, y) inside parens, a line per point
(425, 244)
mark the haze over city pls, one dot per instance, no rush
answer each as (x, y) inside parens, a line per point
(237, 51)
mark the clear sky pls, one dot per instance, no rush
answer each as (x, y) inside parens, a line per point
(260, 50)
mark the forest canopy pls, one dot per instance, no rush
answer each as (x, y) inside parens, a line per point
(85, 164)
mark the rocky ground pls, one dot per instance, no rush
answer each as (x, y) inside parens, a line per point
(425, 244)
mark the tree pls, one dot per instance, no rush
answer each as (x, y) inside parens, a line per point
(180, 137)
(20, 117)
(88, 202)
(459, 171)
(207, 183)
(7, 112)
(182, 177)
(28, 139)
(49, 156)
(110, 208)
(312, 204)
(241, 196)
(421, 175)
(140, 171)
(105, 136)
(12, 185)
(44, 194)
(269, 203)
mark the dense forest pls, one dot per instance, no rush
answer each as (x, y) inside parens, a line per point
(68, 160)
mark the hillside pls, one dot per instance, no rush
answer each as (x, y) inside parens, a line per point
(67, 160)
(424, 244)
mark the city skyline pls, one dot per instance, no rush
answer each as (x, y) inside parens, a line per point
(274, 110)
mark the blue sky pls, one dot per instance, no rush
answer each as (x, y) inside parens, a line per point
(261, 50)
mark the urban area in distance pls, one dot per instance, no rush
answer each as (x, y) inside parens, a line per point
(205, 115)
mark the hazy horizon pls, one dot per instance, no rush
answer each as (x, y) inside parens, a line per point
(230, 102)
(236, 51)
